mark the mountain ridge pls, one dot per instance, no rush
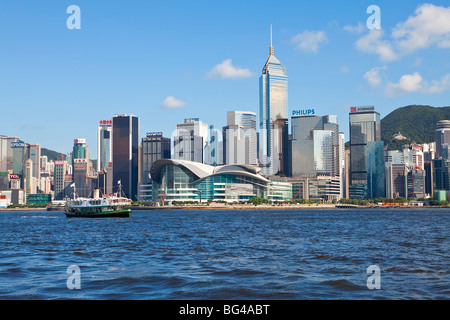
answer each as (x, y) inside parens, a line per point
(415, 122)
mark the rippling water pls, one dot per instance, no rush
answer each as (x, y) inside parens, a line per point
(241, 254)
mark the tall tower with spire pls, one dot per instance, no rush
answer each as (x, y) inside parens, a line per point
(273, 110)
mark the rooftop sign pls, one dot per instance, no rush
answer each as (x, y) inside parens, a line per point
(362, 109)
(303, 113)
(154, 134)
(106, 122)
(15, 145)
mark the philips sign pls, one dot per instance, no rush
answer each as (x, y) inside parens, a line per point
(303, 113)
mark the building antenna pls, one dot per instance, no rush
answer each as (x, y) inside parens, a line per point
(271, 46)
(271, 35)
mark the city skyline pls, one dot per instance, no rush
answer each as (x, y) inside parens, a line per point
(58, 83)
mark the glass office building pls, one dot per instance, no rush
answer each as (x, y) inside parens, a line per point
(80, 149)
(153, 147)
(314, 146)
(273, 90)
(367, 175)
(125, 154)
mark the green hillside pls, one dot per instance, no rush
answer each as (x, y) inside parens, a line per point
(416, 123)
(53, 155)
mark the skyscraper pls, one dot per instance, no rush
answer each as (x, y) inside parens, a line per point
(315, 146)
(314, 165)
(235, 146)
(34, 153)
(80, 149)
(12, 155)
(80, 177)
(29, 180)
(273, 96)
(104, 144)
(442, 135)
(396, 174)
(59, 175)
(153, 147)
(240, 138)
(125, 154)
(81, 168)
(213, 150)
(190, 140)
(367, 177)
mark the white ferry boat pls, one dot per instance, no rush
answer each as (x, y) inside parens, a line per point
(107, 206)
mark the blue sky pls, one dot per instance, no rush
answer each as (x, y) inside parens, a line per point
(164, 61)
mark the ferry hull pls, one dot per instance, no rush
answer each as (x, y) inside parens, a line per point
(112, 214)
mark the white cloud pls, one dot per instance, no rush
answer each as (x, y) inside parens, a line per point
(430, 26)
(226, 70)
(438, 86)
(171, 103)
(414, 83)
(373, 76)
(309, 41)
(372, 43)
(408, 83)
(358, 29)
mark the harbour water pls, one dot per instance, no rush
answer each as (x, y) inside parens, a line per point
(227, 254)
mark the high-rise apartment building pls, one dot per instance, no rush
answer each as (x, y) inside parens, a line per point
(125, 154)
(273, 92)
(367, 176)
(104, 144)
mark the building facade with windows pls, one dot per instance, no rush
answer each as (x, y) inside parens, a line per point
(125, 154)
(367, 176)
(104, 144)
(273, 97)
(180, 180)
